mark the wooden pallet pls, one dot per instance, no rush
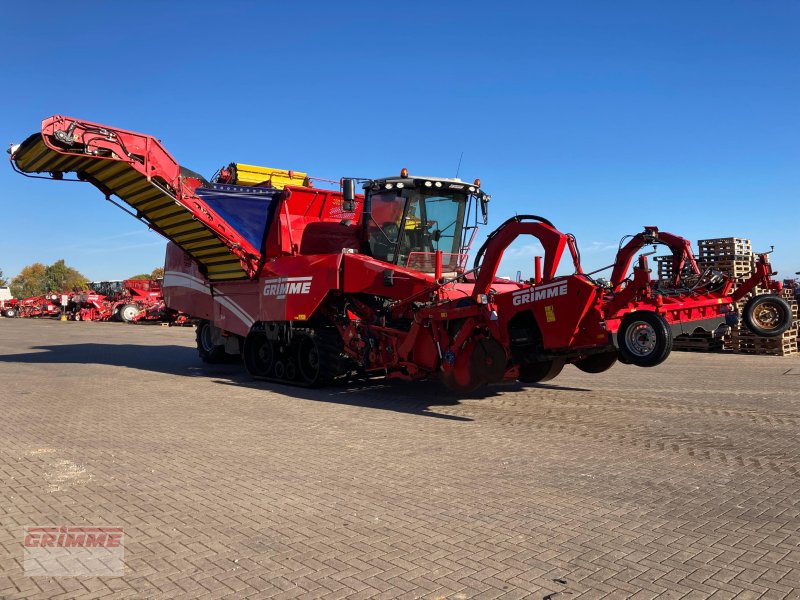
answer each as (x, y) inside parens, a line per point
(786, 348)
(744, 341)
(724, 247)
(664, 264)
(734, 268)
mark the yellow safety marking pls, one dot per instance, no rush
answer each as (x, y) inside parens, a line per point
(550, 313)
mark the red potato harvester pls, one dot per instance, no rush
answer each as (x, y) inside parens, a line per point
(311, 285)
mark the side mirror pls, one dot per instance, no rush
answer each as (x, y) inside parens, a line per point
(485, 209)
(348, 195)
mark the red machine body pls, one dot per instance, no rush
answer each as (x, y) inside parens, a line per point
(311, 285)
(46, 305)
(130, 301)
(9, 306)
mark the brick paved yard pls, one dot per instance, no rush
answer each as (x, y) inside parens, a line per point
(675, 482)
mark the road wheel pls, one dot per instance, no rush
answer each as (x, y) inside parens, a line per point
(318, 357)
(259, 355)
(767, 315)
(128, 312)
(10, 313)
(540, 371)
(208, 351)
(644, 339)
(597, 363)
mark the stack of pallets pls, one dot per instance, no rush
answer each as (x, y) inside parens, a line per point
(664, 269)
(664, 266)
(733, 256)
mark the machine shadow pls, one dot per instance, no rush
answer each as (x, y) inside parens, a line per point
(169, 359)
(416, 397)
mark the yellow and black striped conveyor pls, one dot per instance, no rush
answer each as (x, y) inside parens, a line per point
(152, 202)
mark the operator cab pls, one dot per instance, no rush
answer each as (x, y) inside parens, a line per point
(407, 219)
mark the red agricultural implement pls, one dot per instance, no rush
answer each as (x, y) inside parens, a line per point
(129, 301)
(312, 285)
(9, 306)
(46, 305)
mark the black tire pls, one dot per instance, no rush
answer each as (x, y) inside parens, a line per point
(540, 371)
(208, 352)
(259, 355)
(318, 357)
(644, 339)
(10, 313)
(767, 315)
(127, 313)
(597, 363)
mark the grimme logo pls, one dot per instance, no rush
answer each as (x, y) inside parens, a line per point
(74, 550)
(73, 537)
(280, 287)
(542, 292)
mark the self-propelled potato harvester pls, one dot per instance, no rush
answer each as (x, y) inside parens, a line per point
(312, 285)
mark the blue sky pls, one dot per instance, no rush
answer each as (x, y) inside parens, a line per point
(601, 116)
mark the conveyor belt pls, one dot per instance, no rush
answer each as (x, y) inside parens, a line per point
(202, 231)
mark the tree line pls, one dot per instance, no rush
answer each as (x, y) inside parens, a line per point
(38, 279)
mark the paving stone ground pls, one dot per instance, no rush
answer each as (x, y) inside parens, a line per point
(681, 481)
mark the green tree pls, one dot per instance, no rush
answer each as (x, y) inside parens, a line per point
(3, 281)
(158, 273)
(30, 281)
(61, 278)
(36, 279)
